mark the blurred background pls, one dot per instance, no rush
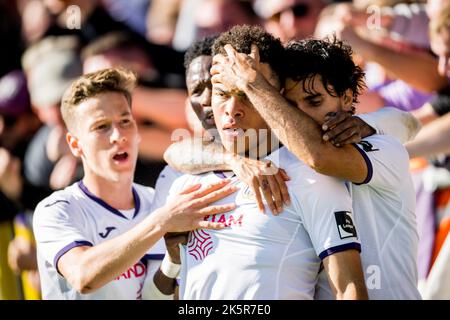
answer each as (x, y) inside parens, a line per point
(404, 47)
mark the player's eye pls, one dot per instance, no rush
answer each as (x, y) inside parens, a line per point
(101, 127)
(125, 121)
(219, 93)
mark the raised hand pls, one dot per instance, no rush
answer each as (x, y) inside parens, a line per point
(343, 128)
(264, 179)
(187, 210)
(237, 69)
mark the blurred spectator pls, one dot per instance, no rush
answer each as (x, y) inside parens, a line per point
(200, 18)
(290, 19)
(86, 19)
(162, 20)
(132, 13)
(17, 122)
(12, 46)
(440, 39)
(403, 87)
(50, 66)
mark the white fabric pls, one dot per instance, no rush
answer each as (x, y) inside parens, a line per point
(384, 211)
(163, 184)
(170, 269)
(262, 256)
(437, 286)
(71, 218)
(394, 122)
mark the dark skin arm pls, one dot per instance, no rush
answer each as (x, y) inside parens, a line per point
(165, 284)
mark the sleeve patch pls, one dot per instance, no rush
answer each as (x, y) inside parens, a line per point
(345, 225)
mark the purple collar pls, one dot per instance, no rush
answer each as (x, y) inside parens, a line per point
(137, 202)
(221, 174)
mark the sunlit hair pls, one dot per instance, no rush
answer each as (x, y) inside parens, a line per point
(241, 38)
(199, 48)
(329, 58)
(89, 85)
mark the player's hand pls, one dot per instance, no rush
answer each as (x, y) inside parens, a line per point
(236, 69)
(21, 255)
(172, 240)
(341, 128)
(188, 210)
(264, 179)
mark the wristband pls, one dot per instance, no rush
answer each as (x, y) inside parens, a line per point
(151, 291)
(168, 268)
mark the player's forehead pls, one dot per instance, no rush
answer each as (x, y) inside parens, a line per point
(199, 67)
(103, 105)
(312, 85)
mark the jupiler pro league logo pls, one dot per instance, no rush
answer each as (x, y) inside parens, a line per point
(345, 224)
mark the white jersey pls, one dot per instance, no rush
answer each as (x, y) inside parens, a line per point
(165, 180)
(384, 212)
(262, 256)
(75, 217)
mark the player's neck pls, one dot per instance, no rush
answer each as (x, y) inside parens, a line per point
(118, 194)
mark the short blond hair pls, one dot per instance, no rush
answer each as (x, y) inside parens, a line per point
(91, 84)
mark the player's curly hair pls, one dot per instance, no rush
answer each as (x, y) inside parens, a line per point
(241, 37)
(199, 48)
(331, 59)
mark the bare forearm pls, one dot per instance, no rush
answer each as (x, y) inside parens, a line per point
(399, 65)
(303, 136)
(100, 264)
(432, 139)
(195, 156)
(345, 275)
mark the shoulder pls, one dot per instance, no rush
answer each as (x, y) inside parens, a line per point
(60, 205)
(167, 176)
(304, 180)
(384, 146)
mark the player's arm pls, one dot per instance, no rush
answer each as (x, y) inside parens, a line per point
(432, 139)
(294, 128)
(195, 156)
(88, 268)
(399, 63)
(345, 275)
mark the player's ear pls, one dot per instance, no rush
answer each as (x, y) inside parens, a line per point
(347, 99)
(74, 146)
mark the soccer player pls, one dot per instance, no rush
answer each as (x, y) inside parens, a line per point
(92, 237)
(321, 78)
(269, 256)
(199, 155)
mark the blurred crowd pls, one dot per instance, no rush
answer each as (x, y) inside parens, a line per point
(404, 47)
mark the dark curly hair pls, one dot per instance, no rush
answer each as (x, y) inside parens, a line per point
(241, 37)
(199, 48)
(329, 58)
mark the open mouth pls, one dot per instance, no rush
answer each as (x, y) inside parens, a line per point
(234, 132)
(120, 156)
(209, 118)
